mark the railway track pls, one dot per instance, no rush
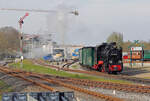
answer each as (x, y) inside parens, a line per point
(121, 76)
(112, 86)
(23, 75)
(97, 84)
(17, 74)
(69, 63)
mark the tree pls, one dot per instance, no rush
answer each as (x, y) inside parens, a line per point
(116, 37)
(126, 45)
(9, 40)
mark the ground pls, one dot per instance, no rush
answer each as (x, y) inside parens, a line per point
(137, 70)
(22, 86)
(4, 88)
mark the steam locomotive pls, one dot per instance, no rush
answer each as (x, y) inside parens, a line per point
(106, 57)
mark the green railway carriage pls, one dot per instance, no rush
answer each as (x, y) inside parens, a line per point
(146, 54)
(86, 56)
(80, 56)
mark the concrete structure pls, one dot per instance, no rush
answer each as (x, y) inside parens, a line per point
(39, 45)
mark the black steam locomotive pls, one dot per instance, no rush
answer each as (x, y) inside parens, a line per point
(104, 58)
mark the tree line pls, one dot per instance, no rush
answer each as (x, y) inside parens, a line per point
(118, 38)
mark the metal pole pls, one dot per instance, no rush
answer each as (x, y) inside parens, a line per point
(32, 48)
(130, 57)
(142, 56)
(21, 47)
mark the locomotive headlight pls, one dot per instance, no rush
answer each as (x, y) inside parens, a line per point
(119, 61)
(110, 61)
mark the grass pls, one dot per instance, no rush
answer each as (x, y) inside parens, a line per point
(145, 77)
(28, 66)
(75, 66)
(4, 88)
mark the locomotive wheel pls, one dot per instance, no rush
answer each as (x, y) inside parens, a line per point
(114, 73)
(99, 68)
(122, 67)
(107, 68)
(110, 72)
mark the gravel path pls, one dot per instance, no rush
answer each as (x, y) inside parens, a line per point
(80, 96)
(125, 95)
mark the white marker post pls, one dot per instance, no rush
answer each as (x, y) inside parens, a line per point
(114, 92)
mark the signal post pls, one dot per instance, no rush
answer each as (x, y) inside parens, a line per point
(21, 38)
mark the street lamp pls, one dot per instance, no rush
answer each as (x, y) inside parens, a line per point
(21, 38)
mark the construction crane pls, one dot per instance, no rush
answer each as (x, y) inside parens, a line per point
(35, 10)
(75, 12)
(27, 10)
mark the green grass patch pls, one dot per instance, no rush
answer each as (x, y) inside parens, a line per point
(28, 66)
(75, 66)
(2, 83)
(4, 88)
(145, 77)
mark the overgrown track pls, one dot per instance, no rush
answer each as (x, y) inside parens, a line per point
(122, 77)
(108, 85)
(23, 74)
(92, 83)
(101, 84)
(20, 75)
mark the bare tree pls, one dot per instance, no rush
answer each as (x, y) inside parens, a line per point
(116, 37)
(9, 40)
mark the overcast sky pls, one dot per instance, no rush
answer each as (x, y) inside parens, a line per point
(97, 19)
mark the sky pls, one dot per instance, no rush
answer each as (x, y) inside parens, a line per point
(96, 21)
